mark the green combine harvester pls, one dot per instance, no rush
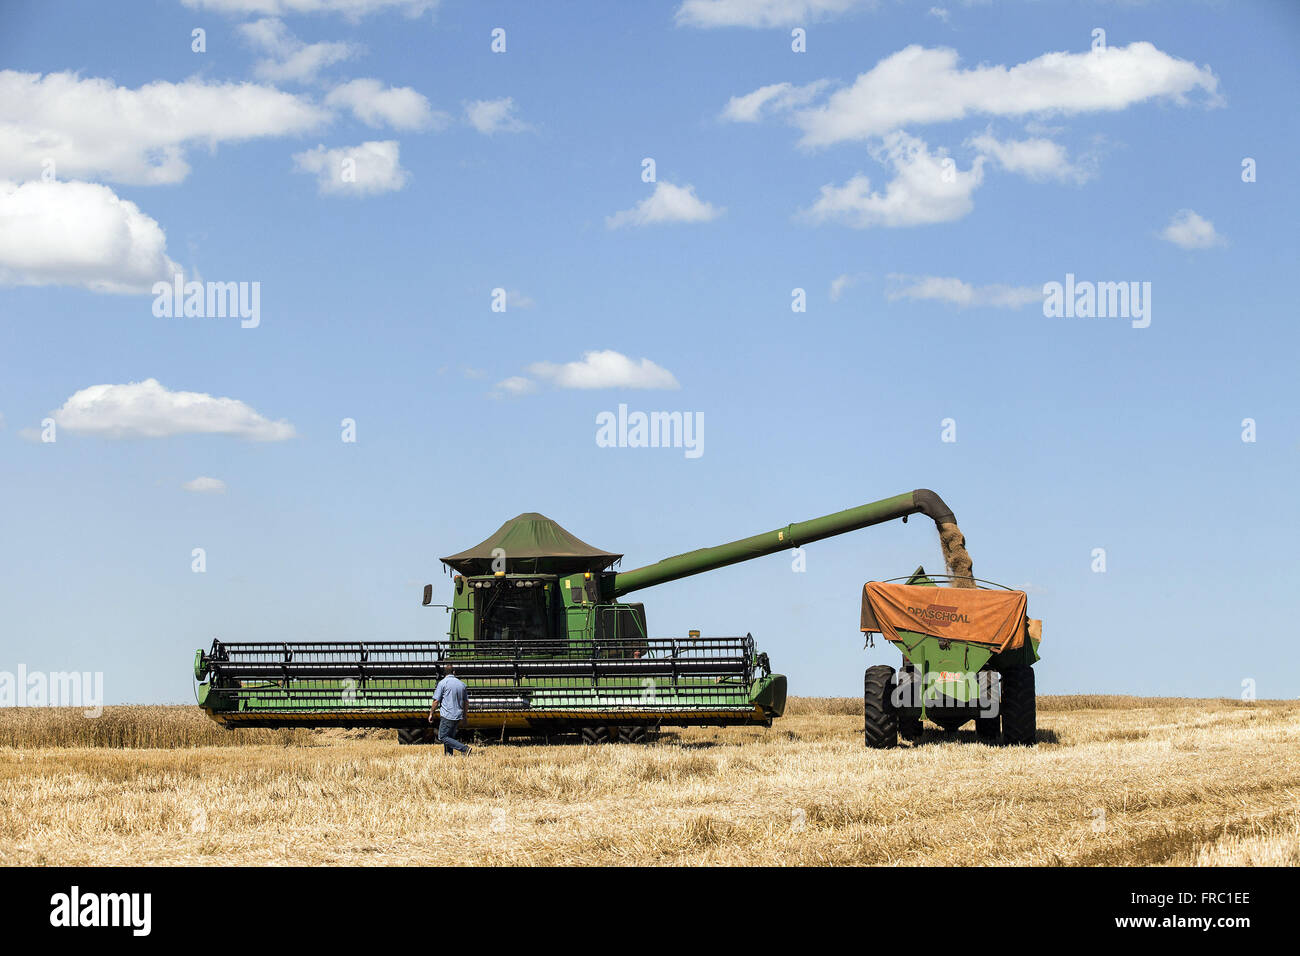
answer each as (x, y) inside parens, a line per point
(541, 638)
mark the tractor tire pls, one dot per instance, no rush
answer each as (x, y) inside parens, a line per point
(595, 735)
(911, 729)
(1019, 711)
(881, 717)
(633, 735)
(411, 737)
(990, 690)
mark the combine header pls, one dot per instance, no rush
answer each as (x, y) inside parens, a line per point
(541, 638)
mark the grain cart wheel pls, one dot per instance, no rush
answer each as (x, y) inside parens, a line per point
(595, 735)
(990, 689)
(911, 729)
(405, 735)
(1019, 713)
(987, 729)
(632, 735)
(882, 719)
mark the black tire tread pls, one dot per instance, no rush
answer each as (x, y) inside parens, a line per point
(1019, 707)
(881, 718)
(987, 729)
(911, 729)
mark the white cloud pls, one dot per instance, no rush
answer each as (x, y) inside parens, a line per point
(494, 116)
(1038, 159)
(351, 9)
(149, 410)
(518, 300)
(957, 292)
(939, 13)
(925, 189)
(365, 170)
(762, 13)
(1039, 128)
(513, 387)
(668, 203)
(605, 369)
(1191, 231)
(288, 58)
(92, 128)
(376, 105)
(840, 283)
(775, 98)
(917, 85)
(71, 233)
(205, 486)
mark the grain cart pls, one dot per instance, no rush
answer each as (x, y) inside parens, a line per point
(967, 655)
(540, 636)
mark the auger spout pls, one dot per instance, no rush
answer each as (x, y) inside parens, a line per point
(921, 501)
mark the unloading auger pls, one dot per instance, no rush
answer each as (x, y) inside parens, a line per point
(540, 636)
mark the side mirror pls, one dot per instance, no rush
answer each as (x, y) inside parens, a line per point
(428, 595)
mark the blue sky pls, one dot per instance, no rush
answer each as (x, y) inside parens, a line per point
(508, 171)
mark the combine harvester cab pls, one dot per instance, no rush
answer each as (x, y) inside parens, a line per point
(968, 654)
(538, 635)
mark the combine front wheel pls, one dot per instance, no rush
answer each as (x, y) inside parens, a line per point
(416, 736)
(1019, 713)
(882, 719)
(595, 735)
(632, 735)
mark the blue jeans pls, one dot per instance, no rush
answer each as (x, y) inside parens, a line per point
(447, 735)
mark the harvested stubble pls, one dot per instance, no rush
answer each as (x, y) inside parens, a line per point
(1113, 781)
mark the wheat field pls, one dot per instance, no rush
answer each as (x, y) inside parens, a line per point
(1114, 781)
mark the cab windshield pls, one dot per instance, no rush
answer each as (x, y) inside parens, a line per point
(512, 614)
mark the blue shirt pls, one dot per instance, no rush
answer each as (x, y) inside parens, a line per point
(450, 695)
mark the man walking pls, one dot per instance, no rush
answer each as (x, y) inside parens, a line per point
(449, 703)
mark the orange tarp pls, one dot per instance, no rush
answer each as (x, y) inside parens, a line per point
(981, 616)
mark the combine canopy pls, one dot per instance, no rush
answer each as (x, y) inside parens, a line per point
(975, 615)
(532, 544)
